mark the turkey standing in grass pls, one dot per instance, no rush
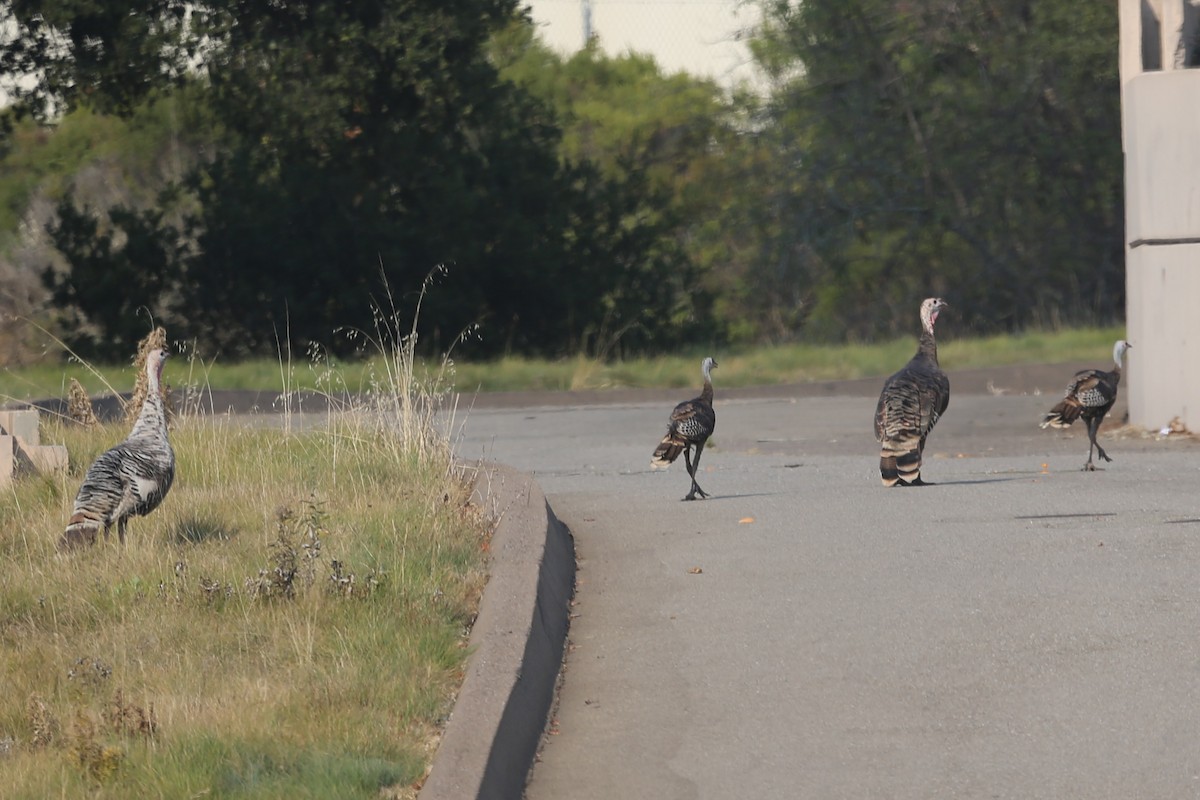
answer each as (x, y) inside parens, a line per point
(692, 422)
(910, 405)
(131, 478)
(1090, 395)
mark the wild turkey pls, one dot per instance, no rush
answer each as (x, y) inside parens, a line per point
(910, 405)
(131, 478)
(1090, 395)
(692, 422)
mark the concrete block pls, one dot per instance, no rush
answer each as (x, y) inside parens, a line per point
(8, 450)
(46, 457)
(20, 451)
(22, 423)
(1161, 122)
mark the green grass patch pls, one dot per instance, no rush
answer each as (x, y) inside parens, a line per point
(795, 363)
(290, 623)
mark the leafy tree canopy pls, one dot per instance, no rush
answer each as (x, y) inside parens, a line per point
(354, 137)
(970, 149)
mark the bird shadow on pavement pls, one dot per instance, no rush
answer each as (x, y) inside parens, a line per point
(1086, 514)
(712, 497)
(973, 482)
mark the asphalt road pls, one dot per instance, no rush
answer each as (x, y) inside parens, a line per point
(1019, 630)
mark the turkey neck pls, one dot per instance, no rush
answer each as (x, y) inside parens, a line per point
(706, 394)
(1114, 375)
(151, 420)
(927, 349)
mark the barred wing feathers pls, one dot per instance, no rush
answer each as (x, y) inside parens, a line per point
(130, 479)
(1090, 395)
(1090, 391)
(688, 429)
(692, 421)
(911, 403)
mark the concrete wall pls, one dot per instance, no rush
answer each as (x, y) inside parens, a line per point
(1160, 90)
(1163, 321)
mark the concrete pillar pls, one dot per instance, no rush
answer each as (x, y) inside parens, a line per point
(8, 459)
(1160, 102)
(1170, 31)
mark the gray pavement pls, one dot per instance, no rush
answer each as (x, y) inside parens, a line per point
(1022, 629)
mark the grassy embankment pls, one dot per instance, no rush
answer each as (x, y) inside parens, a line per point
(289, 623)
(235, 648)
(784, 364)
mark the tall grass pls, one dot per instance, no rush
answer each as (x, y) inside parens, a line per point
(291, 622)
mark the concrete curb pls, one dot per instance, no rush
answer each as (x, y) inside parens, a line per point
(517, 645)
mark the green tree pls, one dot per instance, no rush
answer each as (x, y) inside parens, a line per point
(694, 147)
(110, 55)
(970, 149)
(113, 289)
(369, 134)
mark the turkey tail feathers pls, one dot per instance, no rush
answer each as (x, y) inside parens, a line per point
(887, 469)
(667, 451)
(80, 531)
(1062, 415)
(900, 462)
(909, 465)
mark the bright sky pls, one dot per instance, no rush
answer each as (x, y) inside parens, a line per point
(702, 37)
(699, 36)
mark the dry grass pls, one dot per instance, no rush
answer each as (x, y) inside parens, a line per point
(290, 623)
(155, 340)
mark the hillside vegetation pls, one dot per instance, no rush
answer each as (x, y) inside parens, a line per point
(245, 175)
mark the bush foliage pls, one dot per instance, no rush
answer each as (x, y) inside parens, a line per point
(584, 203)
